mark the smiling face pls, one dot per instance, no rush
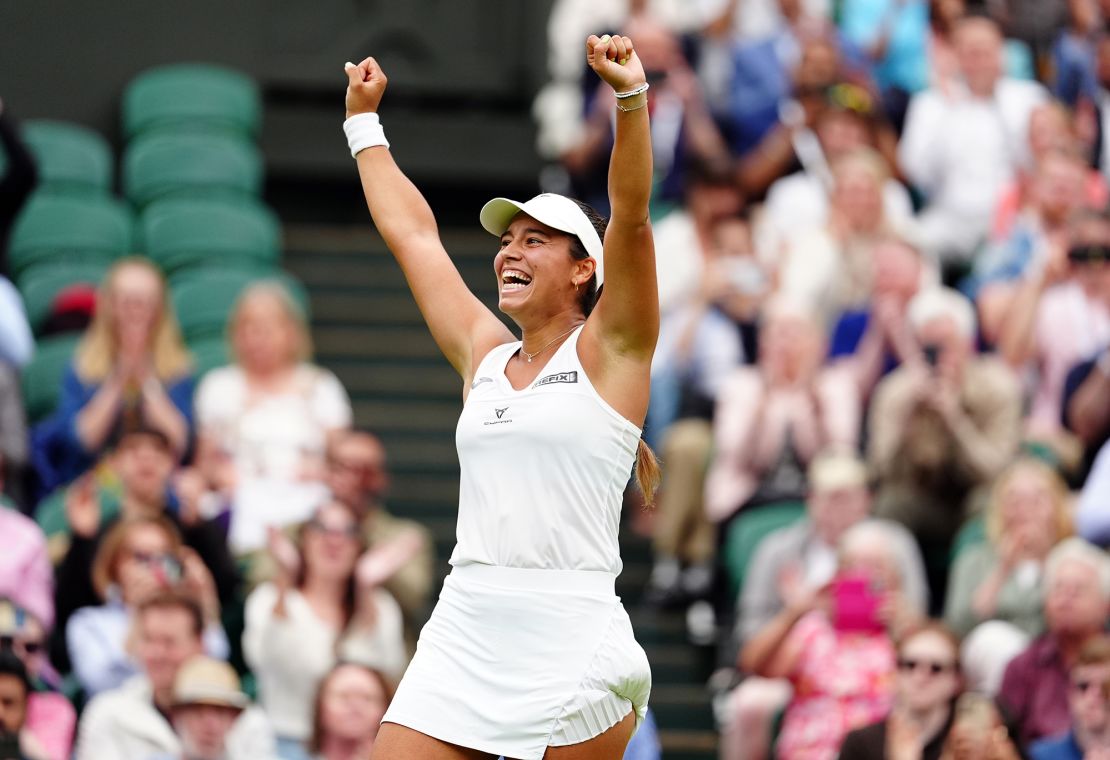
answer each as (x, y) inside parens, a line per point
(928, 671)
(331, 543)
(536, 273)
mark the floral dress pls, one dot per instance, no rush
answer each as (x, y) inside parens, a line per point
(842, 681)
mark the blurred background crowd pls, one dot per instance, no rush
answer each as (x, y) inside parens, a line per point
(881, 398)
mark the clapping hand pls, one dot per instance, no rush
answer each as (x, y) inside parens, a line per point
(285, 555)
(82, 506)
(615, 61)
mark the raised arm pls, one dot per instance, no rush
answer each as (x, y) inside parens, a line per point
(463, 328)
(627, 313)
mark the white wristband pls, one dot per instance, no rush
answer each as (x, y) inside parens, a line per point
(364, 130)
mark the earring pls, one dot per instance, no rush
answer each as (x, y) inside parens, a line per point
(576, 284)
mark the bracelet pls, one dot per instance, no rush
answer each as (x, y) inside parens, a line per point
(633, 92)
(634, 103)
(364, 130)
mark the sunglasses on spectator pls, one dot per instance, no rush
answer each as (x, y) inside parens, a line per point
(29, 647)
(932, 667)
(347, 531)
(167, 565)
(1089, 254)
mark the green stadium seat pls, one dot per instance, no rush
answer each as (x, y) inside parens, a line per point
(203, 301)
(42, 377)
(71, 158)
(208, 354)
(68, 229)
(186, 233)
(747, 530)
(190, 164)
(40, 284)
(192, 94)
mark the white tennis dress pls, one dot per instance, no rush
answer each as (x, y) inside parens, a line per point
(529, 646)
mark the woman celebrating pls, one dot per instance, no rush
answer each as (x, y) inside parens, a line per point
(529, 647)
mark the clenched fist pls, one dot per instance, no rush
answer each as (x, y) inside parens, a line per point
(615, 61)
(365, 86)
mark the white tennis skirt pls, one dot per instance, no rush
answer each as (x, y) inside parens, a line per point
(515, 660)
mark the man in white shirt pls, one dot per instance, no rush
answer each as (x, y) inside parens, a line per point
(961, 146)
(132, 722)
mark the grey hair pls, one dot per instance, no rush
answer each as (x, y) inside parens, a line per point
(1076, 549)
(937, 302)
(873, 533)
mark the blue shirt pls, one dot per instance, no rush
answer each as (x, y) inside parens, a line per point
(906, 63)
(1057, 748)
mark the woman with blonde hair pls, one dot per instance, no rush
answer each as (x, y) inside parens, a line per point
(130, 370)
(1028, 514)
(263, 422)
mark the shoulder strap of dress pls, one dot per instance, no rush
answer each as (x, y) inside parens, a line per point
(497, 355)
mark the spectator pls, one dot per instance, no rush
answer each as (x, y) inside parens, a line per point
(841, 663)
(349, 706)
(14, 453)
(207, 702)
(359, 479)
(132, 721)
(130, 369)
(1089, 735)
(802, 557)
(674, 99)
(18, 180)
(942, 428)
(961, 146)
(831, 268)
(773, 418)
(1096, 109)
(15, 691)
(50, 719)
(979, 731)
(143, 462)
(16, 341)
(876, 338)
(138, 557)
(799, 202)
(1059, 316)
(895, 36)
(1056, 197)
(26, 576)
(264, 421)
(323, 605)
(995, 593)
(1077, 597)
(925, 692)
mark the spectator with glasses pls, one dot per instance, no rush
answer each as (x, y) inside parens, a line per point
(139, 557)
(323, 604)
(358, 478)
(1089, 705)
(926, 686)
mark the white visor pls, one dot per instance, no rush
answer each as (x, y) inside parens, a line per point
(556, 211)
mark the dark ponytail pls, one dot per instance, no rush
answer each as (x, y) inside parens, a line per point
(591, 293)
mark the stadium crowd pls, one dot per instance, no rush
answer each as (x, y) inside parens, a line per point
(881, 397)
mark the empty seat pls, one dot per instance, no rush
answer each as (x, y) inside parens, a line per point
(41, 284)
(203, 300)
(70, 158)
(42, 377)
(184, 233)
(69, 229)
(191, 164)
(191, 94)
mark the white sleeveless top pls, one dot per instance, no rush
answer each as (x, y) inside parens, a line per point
(543, 468)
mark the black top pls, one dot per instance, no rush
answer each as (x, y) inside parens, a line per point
(869, 743)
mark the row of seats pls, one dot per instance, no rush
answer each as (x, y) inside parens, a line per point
(191, 178)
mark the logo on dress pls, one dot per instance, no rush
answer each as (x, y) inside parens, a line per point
(558, 377)
(501, 418)
(479, 381)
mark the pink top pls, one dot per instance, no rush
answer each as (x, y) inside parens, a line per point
(746, 448)
(52, 720)
(843, 681)
(1071, 327)
(26, 576)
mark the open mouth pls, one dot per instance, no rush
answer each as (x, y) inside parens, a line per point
(514, 279)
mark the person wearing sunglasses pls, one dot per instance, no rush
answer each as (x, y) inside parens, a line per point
(324, 603)
(50, 719)
(1089, 705)
(926, 686)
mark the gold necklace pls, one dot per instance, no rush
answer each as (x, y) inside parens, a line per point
(531, 356)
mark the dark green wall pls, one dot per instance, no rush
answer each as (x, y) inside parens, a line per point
(462, 72)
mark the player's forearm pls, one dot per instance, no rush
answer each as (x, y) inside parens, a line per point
(399, 210)
(630, 168)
